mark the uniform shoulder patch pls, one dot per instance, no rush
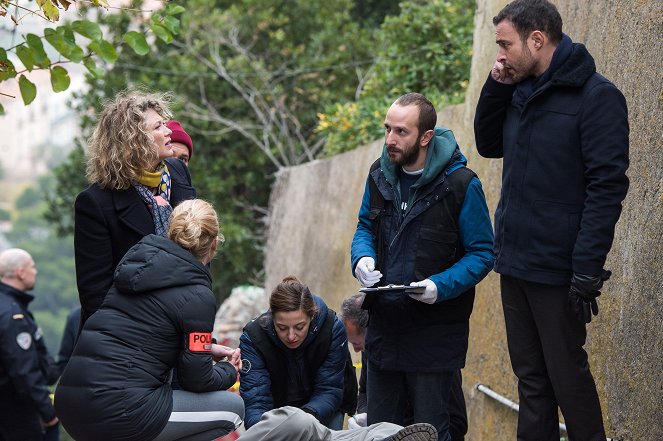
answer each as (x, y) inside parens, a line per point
(200, 341)
(24, 340)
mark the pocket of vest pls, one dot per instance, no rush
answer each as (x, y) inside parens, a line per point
(436, 251)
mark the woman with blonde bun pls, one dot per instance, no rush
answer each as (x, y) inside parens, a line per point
(157, 316)
(134, 184)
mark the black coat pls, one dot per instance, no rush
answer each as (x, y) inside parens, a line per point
(564, 174)
(108, 223)
(116, 385)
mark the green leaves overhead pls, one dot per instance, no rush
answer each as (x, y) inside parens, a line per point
(38, 52)
(28, 89)
(59, 79)
(164, 25)
(62, 39)
(7, 69)
(25, 55)
(161, 32)
(91, 66)
(104, 49)
(173, 9)
(50, 10)
(137, 42)
(87, 29)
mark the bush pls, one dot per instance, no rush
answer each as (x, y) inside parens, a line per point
(350, 125)
(425, 49)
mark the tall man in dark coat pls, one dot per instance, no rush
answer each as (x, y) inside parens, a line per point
(562, 131)
(26, 368)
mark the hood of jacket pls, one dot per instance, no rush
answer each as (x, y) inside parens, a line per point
(443, 156)
(440, 151)
(157, 263)
(267, 323)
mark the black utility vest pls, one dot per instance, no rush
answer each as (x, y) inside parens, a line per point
(438, 242)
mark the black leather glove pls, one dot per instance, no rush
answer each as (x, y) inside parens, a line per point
(584, 290)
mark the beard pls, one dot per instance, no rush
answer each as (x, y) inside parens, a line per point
(407, 156)
(523, 66)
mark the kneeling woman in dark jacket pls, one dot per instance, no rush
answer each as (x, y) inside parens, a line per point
(158, 315)
(290, 358)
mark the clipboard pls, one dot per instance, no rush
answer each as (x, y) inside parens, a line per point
(395, 288)
(372, 293)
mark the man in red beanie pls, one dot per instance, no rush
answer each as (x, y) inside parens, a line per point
(180, 141)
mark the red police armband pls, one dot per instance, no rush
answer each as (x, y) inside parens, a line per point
(200, 341)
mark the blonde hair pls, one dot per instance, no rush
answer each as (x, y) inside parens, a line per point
(194, 226)
(121, 147)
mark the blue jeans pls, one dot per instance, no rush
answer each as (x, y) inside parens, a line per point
(428, 392)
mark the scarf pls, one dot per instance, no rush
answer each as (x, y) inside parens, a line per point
(160, 212)
(528, 86)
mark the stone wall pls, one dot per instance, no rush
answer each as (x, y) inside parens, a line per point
(313, 212)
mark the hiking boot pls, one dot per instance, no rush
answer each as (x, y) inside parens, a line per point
(415, 432)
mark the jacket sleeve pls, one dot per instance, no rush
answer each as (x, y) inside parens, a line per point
(493, 104)
(328, 381)
(476, 234)
(195, 370)
(255, 383)
(93, 252)
(21, 364)
(604, 144)
(362, 242)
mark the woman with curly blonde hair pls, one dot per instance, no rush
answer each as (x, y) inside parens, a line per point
(133, 189)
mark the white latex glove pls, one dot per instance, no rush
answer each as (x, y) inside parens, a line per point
(366, 273)
(357, 421)
(429, 296)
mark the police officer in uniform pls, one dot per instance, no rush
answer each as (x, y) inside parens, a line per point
(26, 411)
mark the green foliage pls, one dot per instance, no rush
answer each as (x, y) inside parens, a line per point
(29, 198)
(62, 38)
(28, 89)
(69, 181)
(352, 124)
(426, 49)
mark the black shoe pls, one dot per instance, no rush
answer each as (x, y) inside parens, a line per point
(415, 432)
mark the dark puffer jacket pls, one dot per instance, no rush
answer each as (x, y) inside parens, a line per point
(116, 385)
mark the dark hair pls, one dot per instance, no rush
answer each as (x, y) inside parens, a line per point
(427, 115)
(292, 295)
(351, 310)
(528, 16)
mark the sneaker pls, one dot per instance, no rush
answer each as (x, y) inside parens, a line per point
(415, 432)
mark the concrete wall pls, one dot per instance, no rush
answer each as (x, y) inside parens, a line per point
(314, 207)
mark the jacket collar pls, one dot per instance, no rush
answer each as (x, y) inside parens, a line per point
(132, 211)
(577, 69)
(21, 296)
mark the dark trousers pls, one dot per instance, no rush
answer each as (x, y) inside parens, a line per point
(457, 410)
(427, 392)
(546, 348)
